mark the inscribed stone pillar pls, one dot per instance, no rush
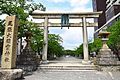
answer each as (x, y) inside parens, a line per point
(10, 43)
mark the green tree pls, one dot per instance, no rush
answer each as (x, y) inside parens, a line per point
(2, 24)
(21, 9)
(79, 51)
(92, 47)
(95, 46)
(54, 46)
(114, 38)
(37, 39)
(69, 52)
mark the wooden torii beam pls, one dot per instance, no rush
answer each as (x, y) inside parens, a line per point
(57, 15)
(70, 24)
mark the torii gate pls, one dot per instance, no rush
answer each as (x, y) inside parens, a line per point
(72, 15)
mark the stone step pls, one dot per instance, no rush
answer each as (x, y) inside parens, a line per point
(64, 61)
(82, 67)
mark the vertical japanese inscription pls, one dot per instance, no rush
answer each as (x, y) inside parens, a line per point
(10, 43)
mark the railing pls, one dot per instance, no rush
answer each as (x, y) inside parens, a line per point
(105, 25)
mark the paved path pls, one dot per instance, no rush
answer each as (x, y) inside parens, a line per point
(72, 75)
(65, 61)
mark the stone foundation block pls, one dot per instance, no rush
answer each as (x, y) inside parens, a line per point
(10, 74)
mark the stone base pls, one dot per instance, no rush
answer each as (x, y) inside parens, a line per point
(27, 61)
(86, 62)
(106, 58)
(45, 62)
(10, 74)
(108, 68)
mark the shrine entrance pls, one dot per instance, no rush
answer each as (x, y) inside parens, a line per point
(65, 18)
(10, 37)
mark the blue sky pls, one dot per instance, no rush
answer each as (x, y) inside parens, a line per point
(66, 5)
(72, 37)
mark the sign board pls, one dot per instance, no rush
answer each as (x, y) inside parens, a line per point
(10, 43)
(65, 20)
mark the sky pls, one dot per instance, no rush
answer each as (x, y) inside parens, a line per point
(72, 37)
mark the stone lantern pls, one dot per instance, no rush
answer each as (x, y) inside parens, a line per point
(105, 58)
(104, 37)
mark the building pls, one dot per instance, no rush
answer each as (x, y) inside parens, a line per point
(100, 5)
(112, 9)
(109, 3)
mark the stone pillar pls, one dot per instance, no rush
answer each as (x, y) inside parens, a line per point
(85, 40)
(9, 51)
(45, 46)
(10, 43)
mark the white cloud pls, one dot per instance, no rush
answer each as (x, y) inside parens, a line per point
(82, 9)
(57, 1)
(80, 5)
(72, 37)
(77, 5)
(72, 34)
(72, 2)
(78, 2)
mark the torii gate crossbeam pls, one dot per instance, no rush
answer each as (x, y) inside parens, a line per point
(72, 15)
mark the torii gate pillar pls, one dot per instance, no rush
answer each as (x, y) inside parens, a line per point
(85, 41)
(45, 46)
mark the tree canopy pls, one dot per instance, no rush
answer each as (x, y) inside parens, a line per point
(114, 38)
(22, 9)
(54, 46)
